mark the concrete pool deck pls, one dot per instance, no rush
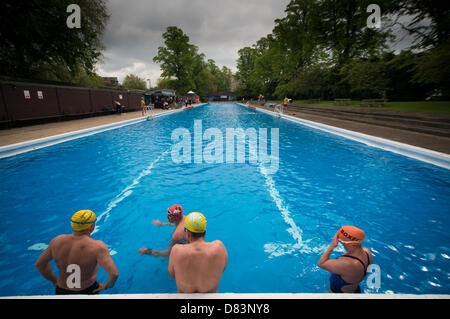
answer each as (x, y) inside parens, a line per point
(26, 133)
(423, 140)
(237, 296)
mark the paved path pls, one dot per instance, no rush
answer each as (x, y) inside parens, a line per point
(21, 134)
(432, 142)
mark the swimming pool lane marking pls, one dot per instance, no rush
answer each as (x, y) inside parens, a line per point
(279, 249)
(127, 191)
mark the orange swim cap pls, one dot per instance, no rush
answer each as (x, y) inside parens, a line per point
(350, 235)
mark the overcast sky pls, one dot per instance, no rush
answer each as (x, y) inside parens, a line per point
(219, 28)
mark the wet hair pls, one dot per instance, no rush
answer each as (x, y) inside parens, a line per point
(196, 235)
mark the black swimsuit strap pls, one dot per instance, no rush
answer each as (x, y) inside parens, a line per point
(356, 258)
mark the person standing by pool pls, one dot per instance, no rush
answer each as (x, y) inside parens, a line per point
(143, 106)
(77, 257)
(348, 270)
(176, 218)
(198, 266)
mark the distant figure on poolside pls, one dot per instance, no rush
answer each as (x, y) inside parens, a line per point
(78, 255)
(348, 270)
(198, 266)
(176, 218)
(119, 107)
(143, 106)
(285, 102)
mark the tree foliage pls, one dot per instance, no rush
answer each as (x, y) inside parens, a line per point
(36, 43)
(132, 81)
(184, 68)
(324, 49)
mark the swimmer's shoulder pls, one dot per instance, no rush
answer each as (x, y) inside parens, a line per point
(218, 248)
(98, 245)
(367, 250)
(218, 243)
(59, 240)
(178, 235)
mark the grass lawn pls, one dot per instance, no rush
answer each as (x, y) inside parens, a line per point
(438, 107)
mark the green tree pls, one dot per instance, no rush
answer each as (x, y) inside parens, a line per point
(227, 78)
(430, 25)
(220, 77)
(367, 79)
(433, 67)
(165, 83)
(35, 41)
(132, 81)
(177, 58)
(187, 69)
(341, 27)
(204, 80)
(400, 72)
(436, 15)
(244, 75)
(296, 34)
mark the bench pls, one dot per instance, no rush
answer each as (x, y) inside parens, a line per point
(373, 102)
(342, 101)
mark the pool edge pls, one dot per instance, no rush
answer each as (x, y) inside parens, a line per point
(31, 145)
(418, 153)
(261, 296)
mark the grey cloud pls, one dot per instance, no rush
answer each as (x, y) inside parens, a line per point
(218, 27)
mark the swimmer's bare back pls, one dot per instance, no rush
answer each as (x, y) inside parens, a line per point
(198, 266)
(79, 250)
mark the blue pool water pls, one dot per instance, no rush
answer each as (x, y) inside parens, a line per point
(275, 226)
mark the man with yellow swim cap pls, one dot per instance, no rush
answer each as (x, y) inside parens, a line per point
(77, 257)
(197, 266)
(348, 270)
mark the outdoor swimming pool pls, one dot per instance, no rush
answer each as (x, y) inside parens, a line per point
(274, 226)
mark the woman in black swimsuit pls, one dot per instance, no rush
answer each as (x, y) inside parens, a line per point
(348, 270)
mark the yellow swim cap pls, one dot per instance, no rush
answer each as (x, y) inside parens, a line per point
(82, 220)
(195, 223)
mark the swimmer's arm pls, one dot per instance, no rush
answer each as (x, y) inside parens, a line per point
(43, 264)
(172, 260)
(331, 265)
(334, 266)
(159, 223)
(225, 254)
(105, 261)
(167, 252)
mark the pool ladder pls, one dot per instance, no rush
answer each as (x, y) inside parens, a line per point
(278, 109)
(150, 108)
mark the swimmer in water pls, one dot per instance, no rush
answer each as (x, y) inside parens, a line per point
(176, 218)
(197, 266)
(348, 270)
(81, 250)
